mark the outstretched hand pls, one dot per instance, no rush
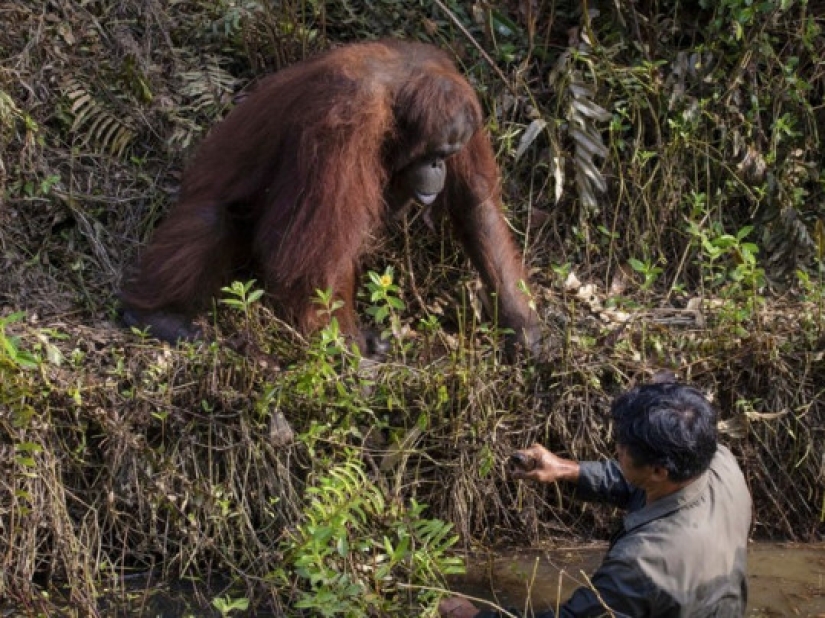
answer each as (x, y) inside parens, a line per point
(539, 464)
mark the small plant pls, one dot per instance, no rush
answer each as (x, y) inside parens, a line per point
(385, 302)
(729, 261)
(328, 306)
(226, 605)
(358, 555)
(329, 357)
(730, 268)
(242, 296)
(10, 351)
(648, 269)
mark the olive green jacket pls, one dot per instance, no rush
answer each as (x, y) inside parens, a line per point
(683, 556)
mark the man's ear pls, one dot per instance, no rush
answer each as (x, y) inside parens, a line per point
(659, 474)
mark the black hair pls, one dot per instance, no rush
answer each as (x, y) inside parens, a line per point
(667, 424)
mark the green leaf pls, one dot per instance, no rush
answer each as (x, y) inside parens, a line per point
(637, 265)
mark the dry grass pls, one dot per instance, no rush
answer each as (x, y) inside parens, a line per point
(121, 456)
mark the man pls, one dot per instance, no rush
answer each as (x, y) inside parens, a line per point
(682, 548)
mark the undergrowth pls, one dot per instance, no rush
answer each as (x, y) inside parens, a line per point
(661, 167)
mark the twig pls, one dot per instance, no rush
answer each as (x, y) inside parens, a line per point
(477, 45)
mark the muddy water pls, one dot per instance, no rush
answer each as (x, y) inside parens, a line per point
(785, 579)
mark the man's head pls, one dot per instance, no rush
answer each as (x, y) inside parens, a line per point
(669, 425)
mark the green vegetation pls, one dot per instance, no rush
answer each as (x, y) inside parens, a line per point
(662, 166)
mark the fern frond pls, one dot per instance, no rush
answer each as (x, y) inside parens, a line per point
(101, 128)
(582, 115)
(206, 89)
(9, 112)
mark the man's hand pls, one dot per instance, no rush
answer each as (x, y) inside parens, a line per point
(543, 466)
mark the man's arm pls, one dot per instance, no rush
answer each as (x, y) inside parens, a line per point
(603, 481)
(618, 585)
(616, 589)
(596, 481)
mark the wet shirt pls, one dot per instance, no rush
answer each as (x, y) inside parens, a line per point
(682, 556)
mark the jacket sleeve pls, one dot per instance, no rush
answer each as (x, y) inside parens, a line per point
(618, 589)
(603, 481)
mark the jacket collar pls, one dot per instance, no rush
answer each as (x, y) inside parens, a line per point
(685, 497)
